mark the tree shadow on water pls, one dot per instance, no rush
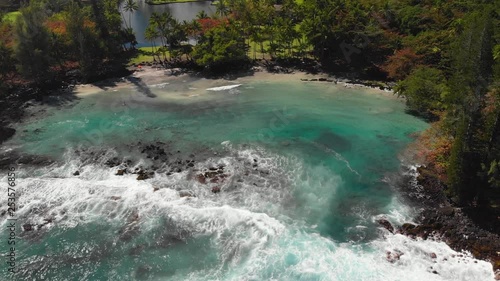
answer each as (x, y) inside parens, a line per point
(141, 86)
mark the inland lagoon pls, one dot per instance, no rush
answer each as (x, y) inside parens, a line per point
(139, 19)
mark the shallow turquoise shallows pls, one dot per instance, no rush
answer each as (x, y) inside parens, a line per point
(309, 169)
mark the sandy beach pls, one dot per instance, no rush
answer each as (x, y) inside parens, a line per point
(153, 76)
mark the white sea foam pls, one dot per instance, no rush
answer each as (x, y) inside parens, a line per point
(255, 237)
(223, 88)
(160, 85)
(300, 255)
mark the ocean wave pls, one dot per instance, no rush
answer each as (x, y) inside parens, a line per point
(248, 226)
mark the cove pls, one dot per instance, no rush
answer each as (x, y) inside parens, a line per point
(303, 171)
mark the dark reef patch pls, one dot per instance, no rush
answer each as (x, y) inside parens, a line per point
(6, 133)
(334, 141)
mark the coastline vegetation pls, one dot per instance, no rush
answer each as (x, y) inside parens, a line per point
(443, 55)
(162, 2)
(11, 16)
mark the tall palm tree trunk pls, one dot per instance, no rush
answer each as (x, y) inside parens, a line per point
(101, 25)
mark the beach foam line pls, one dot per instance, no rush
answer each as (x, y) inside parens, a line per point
(223, 88)
(159, 85)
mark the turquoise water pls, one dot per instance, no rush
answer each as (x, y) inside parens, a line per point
(309, 169)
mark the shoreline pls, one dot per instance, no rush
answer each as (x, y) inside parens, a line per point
(152, 75)
(453, 224)
(19, 98)
(440, 219)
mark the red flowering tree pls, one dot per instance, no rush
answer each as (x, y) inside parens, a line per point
(401, 63)
(207, 24)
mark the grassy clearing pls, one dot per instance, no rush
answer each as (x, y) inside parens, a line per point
(11, 17)
(144, 54)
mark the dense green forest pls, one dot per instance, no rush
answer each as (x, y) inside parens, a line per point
(444, 56)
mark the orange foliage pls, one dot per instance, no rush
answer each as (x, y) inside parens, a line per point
(433, 147)
(56, 26)
(65, 66)
(209, 23)
(88, 23)
(401, 63)
(6, 35)
(492, 102)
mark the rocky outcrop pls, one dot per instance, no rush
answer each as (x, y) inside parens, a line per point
(201, 178)
(458, 231)
(318, 80)
(386, 224)
(6, 133)
(143, 175)
(27, 227)
(452, 224)
(212, 175)
(393, 256)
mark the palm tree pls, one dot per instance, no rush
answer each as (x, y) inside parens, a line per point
(221, 8)
(178, 35)
(194, 30)
(164, 23)
(151, 34)
(155, 23)
(99, 20)
(130, 7)
(202, 15)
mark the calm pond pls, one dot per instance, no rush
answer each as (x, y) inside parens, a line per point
(181, 11)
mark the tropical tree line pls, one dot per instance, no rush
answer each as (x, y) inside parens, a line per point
(52, 36)
(372, 37)
(243, 30)
(451, 75)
